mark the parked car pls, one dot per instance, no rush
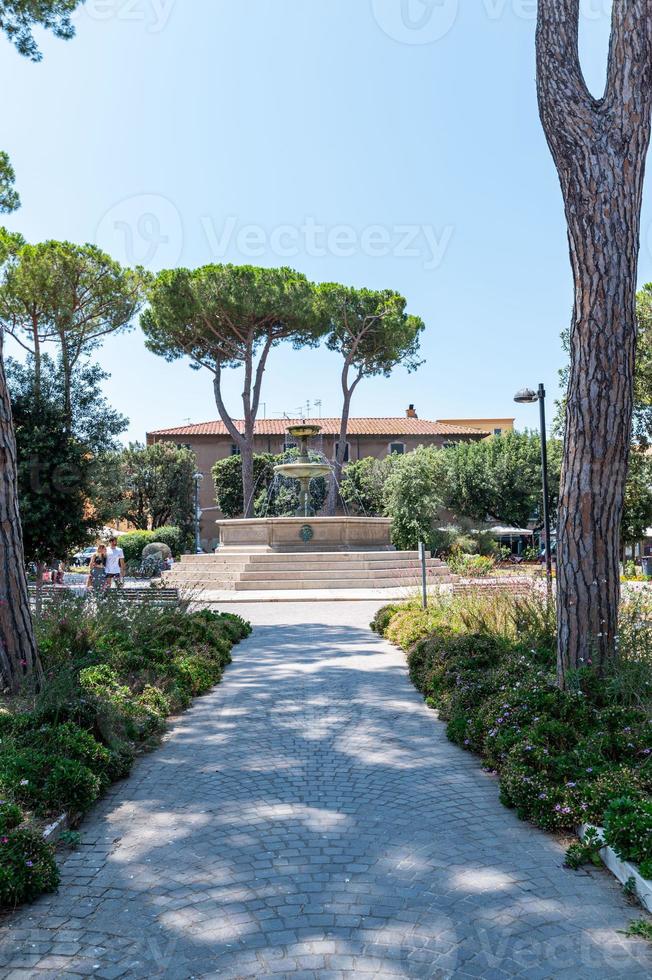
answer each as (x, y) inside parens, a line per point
(83, 558)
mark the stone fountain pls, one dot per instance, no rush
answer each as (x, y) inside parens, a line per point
(305, 531)
(287, 555)
(302, 469)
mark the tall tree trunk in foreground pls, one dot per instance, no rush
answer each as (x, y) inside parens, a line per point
(599, 148)
(19, 662)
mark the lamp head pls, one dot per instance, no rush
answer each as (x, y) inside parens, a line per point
(526, 396)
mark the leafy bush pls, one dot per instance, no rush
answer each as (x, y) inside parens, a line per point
(11, 816)
(412, 497)
(134, 543)
(471, 566)
(114, 673)
(563, 757)
(628, 830)
(27, 868)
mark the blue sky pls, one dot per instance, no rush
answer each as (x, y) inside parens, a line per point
(384, 143)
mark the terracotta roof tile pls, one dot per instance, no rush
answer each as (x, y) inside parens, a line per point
(402, 426)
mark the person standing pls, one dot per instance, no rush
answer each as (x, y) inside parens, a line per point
(97, 576)
(115, 564)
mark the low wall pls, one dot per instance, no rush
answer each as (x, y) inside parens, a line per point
(303, 534)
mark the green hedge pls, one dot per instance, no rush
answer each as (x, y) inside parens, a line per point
(114, 673)
(564, 758)
(133, 543)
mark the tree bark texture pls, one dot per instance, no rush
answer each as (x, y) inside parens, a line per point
(19, 661)
(599, 147)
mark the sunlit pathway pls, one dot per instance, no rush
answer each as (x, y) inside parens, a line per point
(309, 818)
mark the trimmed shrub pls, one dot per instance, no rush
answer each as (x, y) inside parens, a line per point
(27, 868)
(563, 757)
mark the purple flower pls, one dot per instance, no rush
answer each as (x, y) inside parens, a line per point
(30, 864)
(571, 785)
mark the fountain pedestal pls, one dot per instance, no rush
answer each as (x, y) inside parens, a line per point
(305, 534)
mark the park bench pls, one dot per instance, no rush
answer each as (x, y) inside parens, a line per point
(139, 595)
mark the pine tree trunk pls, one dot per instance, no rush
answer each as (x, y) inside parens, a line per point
(19, 661)
(599, 148)
(247, 456)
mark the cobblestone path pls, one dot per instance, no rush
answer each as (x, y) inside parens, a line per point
(310, 819)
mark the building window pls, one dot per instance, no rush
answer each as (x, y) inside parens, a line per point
(397, 447)
(498, 432)
(346, 451)
(235, 450)
(184, 445)
(287, 445)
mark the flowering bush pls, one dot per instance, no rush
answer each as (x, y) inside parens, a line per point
(27, 868)
(563, 757)
(112, 677)
(628, 830)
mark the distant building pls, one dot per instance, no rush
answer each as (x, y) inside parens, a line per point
(493, 427)
(378, 437)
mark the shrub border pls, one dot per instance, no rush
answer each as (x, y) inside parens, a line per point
(622, 870)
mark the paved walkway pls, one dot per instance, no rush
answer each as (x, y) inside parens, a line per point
(310, 819)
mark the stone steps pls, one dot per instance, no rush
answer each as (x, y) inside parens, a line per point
(289, 571)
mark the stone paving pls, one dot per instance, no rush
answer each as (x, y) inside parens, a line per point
(310, 819)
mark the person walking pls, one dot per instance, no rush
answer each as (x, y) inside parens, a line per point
(115, 564)
(97, 575)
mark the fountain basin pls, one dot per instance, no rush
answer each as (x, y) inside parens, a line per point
(302, 471)
(305, 534)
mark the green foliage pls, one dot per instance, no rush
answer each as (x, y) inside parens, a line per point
(585, 851)
(362, 487)
(369, 328)
(641, 929)
(413, 497)
(134, 542)
(221, 315)
(471, 566)
(500, 478)
(114, 674)
(58, 463)
(27, 868)
(563, 757)
(11, 816)
(275, 496)
(19, 17)
(628, 828)
(9, 199)
(153, 486)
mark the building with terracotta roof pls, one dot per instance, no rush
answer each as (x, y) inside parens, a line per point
(378, 437)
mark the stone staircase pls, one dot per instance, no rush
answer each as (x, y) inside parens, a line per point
(267, 571)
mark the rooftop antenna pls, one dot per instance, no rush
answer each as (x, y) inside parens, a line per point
(318, 406)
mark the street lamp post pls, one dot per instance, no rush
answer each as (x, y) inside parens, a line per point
(198, 477)
(526, 396)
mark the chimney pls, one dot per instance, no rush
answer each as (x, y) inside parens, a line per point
(411, 412)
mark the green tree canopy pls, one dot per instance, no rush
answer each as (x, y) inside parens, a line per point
(275, 496)
(69, 295)
(226, 316)
(413, 498)
(362, 487)
(9, 199)
(58, 476)
(373, 334)
(499, 479)
(19, 17)
(153, 486)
